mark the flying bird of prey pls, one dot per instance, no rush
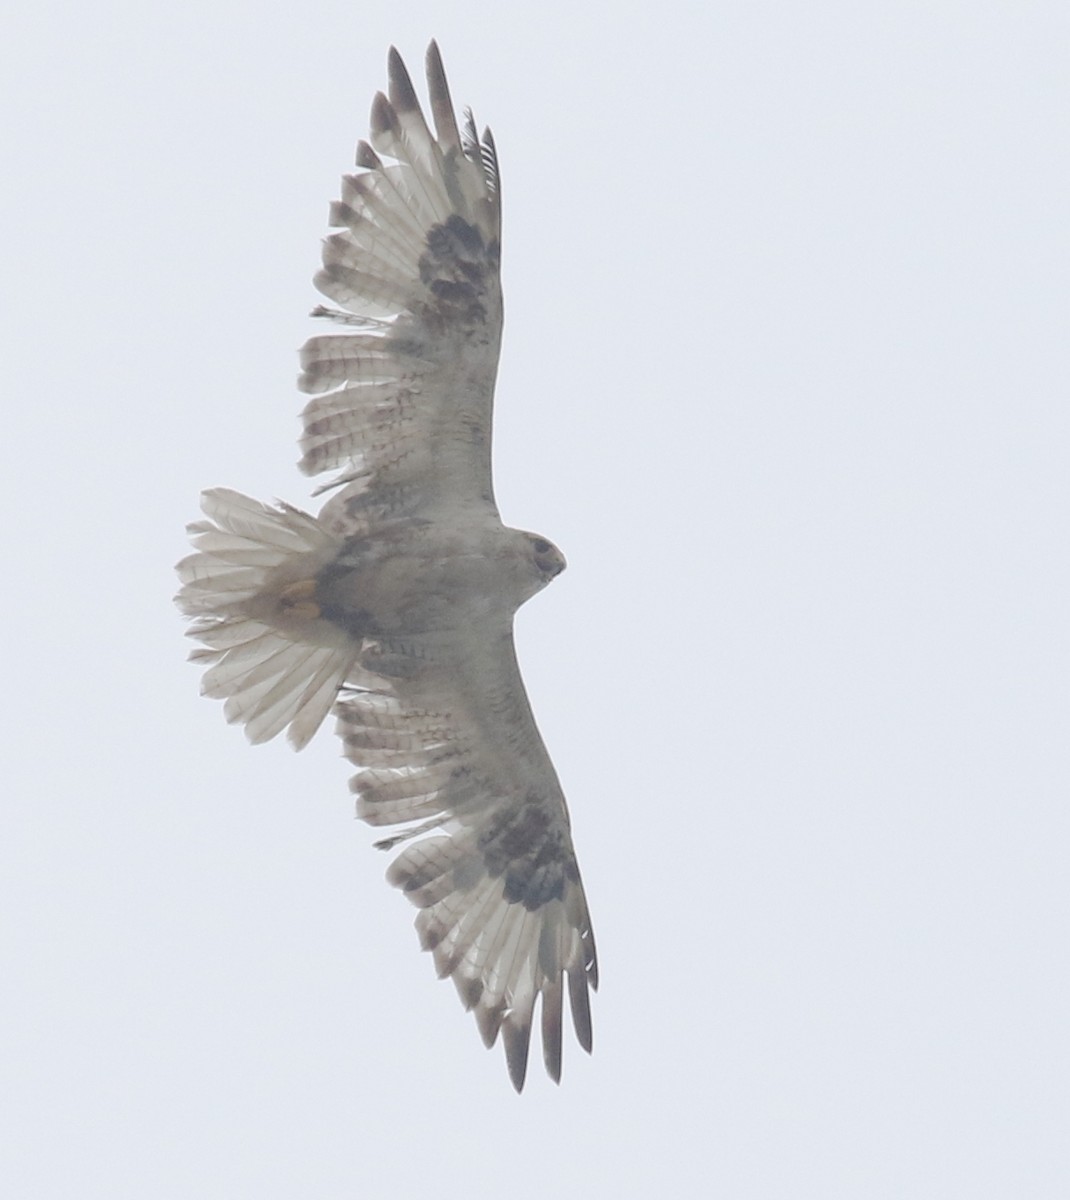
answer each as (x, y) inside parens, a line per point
(394, 605)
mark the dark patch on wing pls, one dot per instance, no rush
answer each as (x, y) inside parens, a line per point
(526, 846)
(459, 269)
(457, 239)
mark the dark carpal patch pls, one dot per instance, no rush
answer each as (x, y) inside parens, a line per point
(522, 845)
(457, 268)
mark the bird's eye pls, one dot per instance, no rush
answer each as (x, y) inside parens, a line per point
(541, 545)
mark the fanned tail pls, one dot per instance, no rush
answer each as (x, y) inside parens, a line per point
(248, 588)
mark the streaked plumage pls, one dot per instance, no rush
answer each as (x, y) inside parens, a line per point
(394, 605)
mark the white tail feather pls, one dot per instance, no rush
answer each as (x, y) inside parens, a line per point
(271, 674)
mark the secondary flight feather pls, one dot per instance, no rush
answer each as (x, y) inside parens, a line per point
(394, 605)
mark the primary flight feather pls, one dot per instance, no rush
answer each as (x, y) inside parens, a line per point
(394, 605)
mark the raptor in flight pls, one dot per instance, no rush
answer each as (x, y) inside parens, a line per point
(394, 605)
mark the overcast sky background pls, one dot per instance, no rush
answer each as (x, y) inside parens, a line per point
(786, 377)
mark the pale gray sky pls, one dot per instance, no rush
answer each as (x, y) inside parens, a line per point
(785, 376)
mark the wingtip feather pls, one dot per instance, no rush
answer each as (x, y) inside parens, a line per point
(516, 1034)
(442, 110)
(402, 93)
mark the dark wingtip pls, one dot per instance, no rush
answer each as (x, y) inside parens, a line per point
(366, 157)
(517, 1039)
(580, 1003)
(551, 1057)
(469, 989)
(441, 103)
(402, 93)
(433, 67)
(382, 116)
(551, 1030)
(488, 1022)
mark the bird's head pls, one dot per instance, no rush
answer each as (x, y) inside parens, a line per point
(545, 556)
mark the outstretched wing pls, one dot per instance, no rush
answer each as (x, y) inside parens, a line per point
(455, 754)
(403, 391)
